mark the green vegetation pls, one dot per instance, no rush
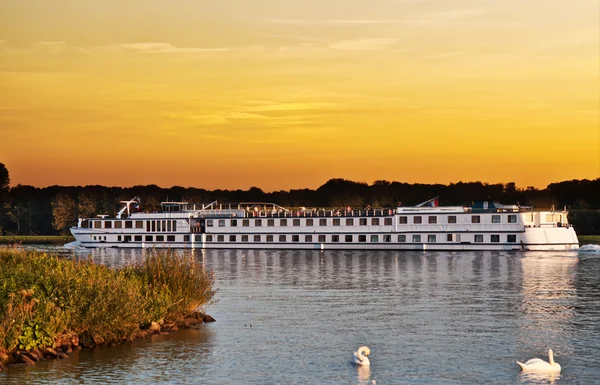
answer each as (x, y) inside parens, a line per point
(35, 239)
(589, 238)
(45, 299)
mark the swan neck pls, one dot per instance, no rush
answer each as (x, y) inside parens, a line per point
(361, 353)
(551, 357)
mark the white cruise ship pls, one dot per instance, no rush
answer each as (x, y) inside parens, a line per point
(482, 226)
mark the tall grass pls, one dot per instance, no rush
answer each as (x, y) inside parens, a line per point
(44, 298)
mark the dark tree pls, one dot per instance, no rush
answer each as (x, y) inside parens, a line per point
(4, 195)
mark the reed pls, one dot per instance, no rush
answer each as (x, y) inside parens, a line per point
(44, 298)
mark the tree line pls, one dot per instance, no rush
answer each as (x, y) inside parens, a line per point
(53, 210)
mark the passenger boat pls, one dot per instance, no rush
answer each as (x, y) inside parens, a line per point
(484, 225)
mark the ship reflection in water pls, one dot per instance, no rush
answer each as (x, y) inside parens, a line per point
(428, 317)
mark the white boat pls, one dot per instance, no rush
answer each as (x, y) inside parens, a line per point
(252, 225)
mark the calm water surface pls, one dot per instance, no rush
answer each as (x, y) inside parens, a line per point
(295, 317)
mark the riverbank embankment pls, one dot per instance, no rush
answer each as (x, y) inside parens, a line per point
(50, 306)
(35, 239)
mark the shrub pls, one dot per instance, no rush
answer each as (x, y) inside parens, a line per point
(43, 297)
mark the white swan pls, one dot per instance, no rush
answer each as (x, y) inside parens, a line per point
(359, 357)
(541, 366)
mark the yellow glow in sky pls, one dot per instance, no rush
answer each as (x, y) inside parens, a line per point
(285, 94)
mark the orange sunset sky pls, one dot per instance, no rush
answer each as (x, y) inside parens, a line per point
(286, 94)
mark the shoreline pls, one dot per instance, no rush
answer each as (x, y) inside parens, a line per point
(63, 239)
(66, 346)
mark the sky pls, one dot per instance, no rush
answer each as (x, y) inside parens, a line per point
(287, 94)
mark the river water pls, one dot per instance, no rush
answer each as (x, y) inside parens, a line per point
(295, 317)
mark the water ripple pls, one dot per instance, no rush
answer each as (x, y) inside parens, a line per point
(295, 317)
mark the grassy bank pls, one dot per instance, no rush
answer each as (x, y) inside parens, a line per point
(45, 300)
(35, 239)
(589, 238)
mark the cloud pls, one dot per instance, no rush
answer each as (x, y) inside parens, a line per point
(332, 22)
(364, 44)
(292, 106)
(161, 48)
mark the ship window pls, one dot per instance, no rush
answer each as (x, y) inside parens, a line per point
(495, 238)
(220, 238)
(245, 222)
(171, 238)
(244, 238)
(432, 219)
(282, 238)
(348, 238)
(323, 222)
(417, 219)
(336, 221)
(209, 238)
(296, 222)
(127, 238)
(158, 225)
(374, 238)
(449, 237)
(475, 219)
(149, 238)
(309, 222)
(401, 238)
(387, 238)
(97, 224)
(138, 238)
(452, 219)
(118, 238)
(478, 238)
(270, 222)
(416, 238)
(209, 223)
(119, 225)
(257, 238)
(362, 238)
(495, 218)
(93, 237)
(295, 238)
(221, 222)
(198, 238)
(512, 219)
(335, 238)
(107, 224)
(186, 238)
(387, 221)
(511, 238)
(308, 238)
(362, 221)
(169, 225)
(270, 238)
(349, 222)
(139, 224)
(159, 238)
(375, 221)
(283, 222)
(258, 223)
(233, 223)
(402, 220)
(431, 238)
(174, 225)
(321, 238)
(128, 224)
(232, 238)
